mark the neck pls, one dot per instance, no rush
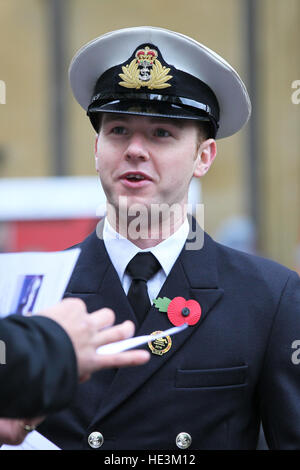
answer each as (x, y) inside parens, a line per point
(146, 232)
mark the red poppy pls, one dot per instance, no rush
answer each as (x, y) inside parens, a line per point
(183, 311)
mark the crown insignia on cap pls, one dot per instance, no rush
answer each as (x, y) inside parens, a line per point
(145, 70)
(146, 54)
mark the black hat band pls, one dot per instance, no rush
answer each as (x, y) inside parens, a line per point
(186, 107)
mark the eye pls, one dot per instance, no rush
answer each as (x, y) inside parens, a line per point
(160, 132)
(119, 130)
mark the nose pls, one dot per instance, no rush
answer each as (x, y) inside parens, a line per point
(137, 148)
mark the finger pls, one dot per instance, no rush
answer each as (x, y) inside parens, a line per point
(16, 437)
(124, 359)
(34, 421)
(11, 431)
(67, 306)
(115, 333)
(73, 303)
(19, 434)
(103, 318)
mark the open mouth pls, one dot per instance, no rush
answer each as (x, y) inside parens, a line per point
(135, 177)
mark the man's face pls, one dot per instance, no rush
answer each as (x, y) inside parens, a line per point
(148, 160)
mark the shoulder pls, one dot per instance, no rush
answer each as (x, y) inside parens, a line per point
(250, 268)
(89, 241)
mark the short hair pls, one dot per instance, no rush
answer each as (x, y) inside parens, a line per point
(205, 131)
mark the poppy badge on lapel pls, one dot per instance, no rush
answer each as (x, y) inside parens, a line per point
(179, 310)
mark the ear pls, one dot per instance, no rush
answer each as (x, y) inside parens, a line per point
(97, 152)
(206, 154)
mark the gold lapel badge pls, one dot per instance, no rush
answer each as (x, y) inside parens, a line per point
(145, 70)
(160, 346)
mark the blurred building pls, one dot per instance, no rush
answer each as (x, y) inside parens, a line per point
(48, 214)
(256, 176)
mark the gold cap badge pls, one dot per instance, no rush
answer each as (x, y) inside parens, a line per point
(145, 70)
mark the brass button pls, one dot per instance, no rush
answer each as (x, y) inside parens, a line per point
(183, 440)
(95, 439)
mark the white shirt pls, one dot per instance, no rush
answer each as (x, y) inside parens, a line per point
(121, 251)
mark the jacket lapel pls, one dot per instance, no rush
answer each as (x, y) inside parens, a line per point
(95, 280)
(193, 276)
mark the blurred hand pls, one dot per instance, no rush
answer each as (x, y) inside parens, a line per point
(12, 431)
(89, 331)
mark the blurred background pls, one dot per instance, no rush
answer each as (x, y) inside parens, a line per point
(49, 192)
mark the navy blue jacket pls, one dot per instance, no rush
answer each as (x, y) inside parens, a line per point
(220, 378)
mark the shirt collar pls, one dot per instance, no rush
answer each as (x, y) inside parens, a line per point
(121, 250)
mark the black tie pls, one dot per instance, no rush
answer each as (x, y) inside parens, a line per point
(141, 268)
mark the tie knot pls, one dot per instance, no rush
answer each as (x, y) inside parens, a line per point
(143, 266)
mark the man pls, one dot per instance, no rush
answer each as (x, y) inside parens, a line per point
(158, 100)
(46, 356)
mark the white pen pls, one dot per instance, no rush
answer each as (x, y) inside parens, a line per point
(130, 343)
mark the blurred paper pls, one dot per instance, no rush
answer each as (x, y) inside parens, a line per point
(131, 343)
(34, 441)
(31, 282)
